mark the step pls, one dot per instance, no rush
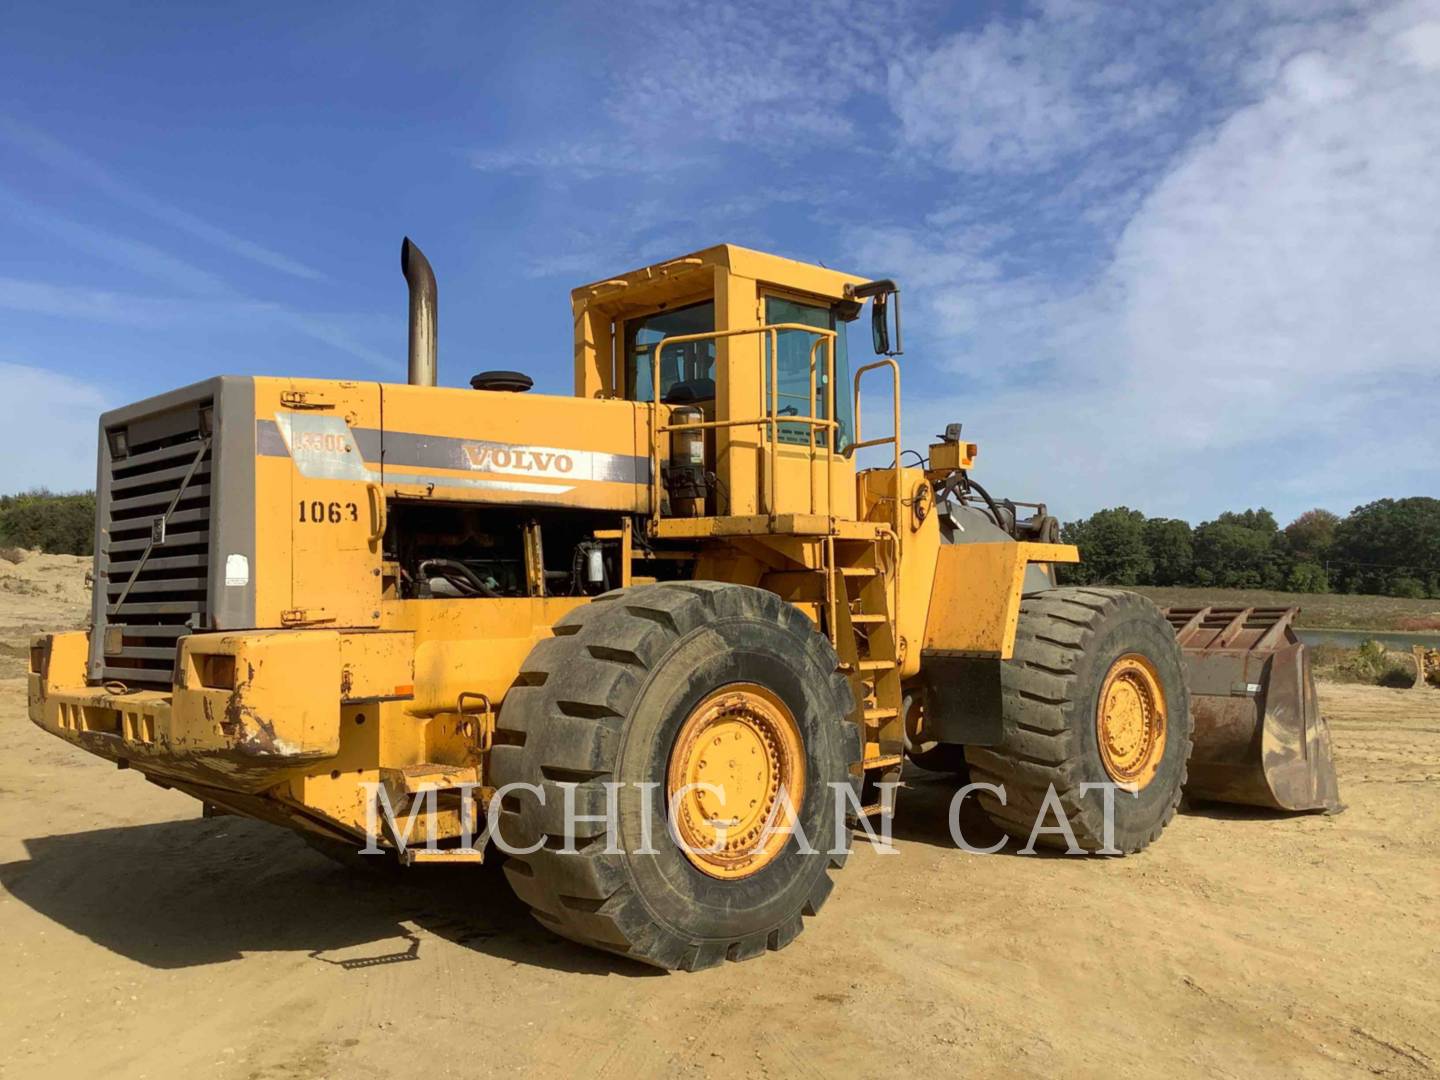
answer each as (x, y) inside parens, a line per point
(414, 779)
(858, 571)
(881, 762)
(880, 714)
(867, 619)
(876, 665)
(873, 810)
(424, 857)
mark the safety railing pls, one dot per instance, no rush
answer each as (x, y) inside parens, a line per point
(770, 423)
(893, 440)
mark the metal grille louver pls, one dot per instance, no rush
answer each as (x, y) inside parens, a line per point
(166, 466)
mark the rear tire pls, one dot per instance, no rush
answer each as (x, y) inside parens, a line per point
(603, 701)
(1067, 642)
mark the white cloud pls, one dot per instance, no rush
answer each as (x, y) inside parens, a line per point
(577, 159)
(1265, 330)
(48, 425)
(1020, 96)
(775, 75)
(688, 79)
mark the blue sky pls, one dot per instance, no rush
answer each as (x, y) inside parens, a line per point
(1180, 256)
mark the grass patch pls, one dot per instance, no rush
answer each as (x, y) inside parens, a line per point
(1318, 610)
(1370, 665)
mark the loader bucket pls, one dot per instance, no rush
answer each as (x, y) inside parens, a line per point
(1259, 737)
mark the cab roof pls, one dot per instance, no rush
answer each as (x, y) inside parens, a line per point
(740, 261)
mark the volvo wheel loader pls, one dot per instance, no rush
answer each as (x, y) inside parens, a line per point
(631, 624)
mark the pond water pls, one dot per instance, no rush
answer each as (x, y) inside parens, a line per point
(1351, 639)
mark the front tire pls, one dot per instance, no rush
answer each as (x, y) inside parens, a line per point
(614, 697)
(1095, 694)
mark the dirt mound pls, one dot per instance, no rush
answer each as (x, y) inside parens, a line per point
(39, 592)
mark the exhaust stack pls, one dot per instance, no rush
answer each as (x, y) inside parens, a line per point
(424, 313)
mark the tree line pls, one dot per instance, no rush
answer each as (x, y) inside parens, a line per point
(44, 521)
(1390, 547)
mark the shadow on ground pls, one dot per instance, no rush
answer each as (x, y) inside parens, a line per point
(922, 815)
(188, 893)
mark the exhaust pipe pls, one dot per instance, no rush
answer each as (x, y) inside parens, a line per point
(424, 313)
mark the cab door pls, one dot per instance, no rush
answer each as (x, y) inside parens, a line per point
(800, 472)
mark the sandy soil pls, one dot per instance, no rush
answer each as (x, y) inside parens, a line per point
(38, 593)
(139, 940)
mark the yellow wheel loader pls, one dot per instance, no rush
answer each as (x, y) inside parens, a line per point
(666, 634)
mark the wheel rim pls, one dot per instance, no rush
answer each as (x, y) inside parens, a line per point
(744, 741)
(1130, 722)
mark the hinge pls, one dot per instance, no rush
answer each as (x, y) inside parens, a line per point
(301, 399)
(295, 616)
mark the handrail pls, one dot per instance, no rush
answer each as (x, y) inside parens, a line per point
(894, 439)
(771, 422)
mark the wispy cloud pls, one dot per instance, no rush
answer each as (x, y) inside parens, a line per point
(138, 256)
(72, 302)
(133, 309)
(47, 429)
(1266, 308)
(1015, 97)
(194, 291)
(773, 79)
(579, 160)
(71, 162)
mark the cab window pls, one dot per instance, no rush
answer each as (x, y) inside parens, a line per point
(687, 370)
(793, 371)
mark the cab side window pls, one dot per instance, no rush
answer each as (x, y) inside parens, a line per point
(687, 369)
(793, 371)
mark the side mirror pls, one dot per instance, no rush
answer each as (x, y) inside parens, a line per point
(880, 324)
(879, 293)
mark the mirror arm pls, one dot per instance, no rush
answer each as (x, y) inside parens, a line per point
(871, 288)
(899, 341)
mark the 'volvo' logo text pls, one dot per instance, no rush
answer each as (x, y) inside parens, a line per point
(488, 457)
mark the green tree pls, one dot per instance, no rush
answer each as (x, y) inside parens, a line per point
(1410, 588)
(1244, 550)
(1384, 542)
(1112, 548)
(1312, 535)
(1307, 577)
(1170, 544)
(58, 524)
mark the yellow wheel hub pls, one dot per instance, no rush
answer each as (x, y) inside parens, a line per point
(1130, 722)
(734, 755)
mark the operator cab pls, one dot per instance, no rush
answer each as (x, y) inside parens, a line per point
(701, 322)
(687, 370)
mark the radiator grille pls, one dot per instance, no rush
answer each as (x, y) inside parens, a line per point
(160, 468)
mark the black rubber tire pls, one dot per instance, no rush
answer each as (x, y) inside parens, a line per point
(941, 758)
(1065, 644)
(601, 701)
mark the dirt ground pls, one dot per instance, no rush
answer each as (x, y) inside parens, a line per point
(139, 940)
